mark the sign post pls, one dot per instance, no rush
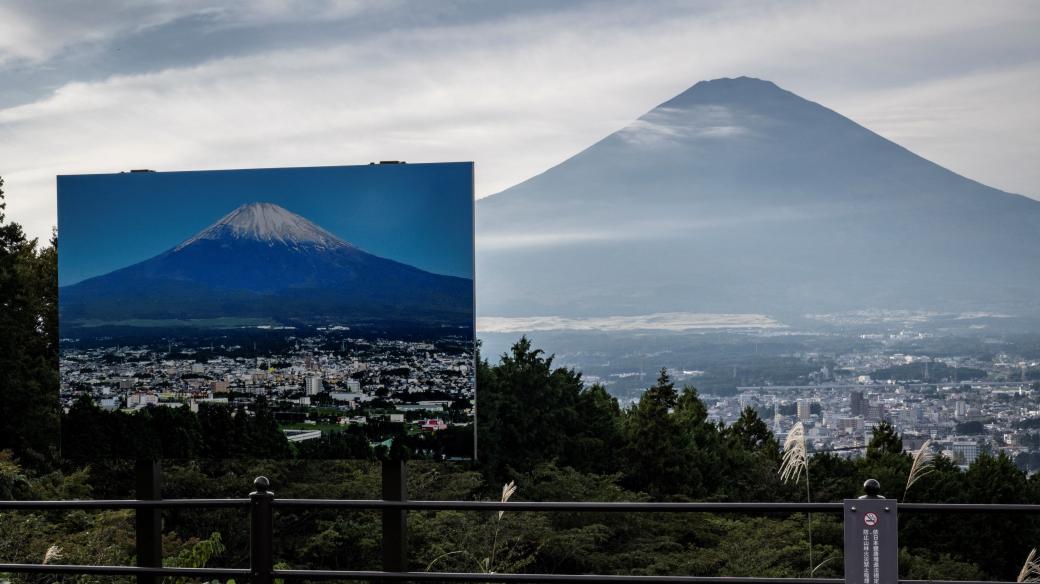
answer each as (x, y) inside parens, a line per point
(871, 538)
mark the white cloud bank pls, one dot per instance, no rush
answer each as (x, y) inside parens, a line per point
(659, 321)
(519, 94)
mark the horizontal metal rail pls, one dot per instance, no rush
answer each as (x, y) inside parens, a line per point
(556, 578)
(582, 506)
(120, 570)
(557, 506)
(125, 504)
(967, 508)
(432, 576)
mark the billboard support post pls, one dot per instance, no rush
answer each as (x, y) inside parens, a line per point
(395, 521)
(148, 521)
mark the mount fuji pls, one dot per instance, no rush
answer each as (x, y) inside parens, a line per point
(261, 261)
(737, 196)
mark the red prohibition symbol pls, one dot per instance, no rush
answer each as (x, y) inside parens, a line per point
(870, 519)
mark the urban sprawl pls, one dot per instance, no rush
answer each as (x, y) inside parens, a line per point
(962, 418)
(314, 385)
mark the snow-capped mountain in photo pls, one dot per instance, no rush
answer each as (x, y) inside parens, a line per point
(270, 223)
(262, 261)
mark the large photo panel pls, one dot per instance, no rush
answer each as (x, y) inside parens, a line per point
(322, 312)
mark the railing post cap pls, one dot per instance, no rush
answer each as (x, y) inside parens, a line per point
(262, 485)
(872, 488)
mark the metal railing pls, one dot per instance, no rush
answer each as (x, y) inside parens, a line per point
(394, 506)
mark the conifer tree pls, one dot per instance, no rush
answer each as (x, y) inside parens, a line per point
(28, 345)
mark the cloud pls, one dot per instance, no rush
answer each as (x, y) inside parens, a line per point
(660, 321)
(512, 241)
(669, 124)
(33, 31)
(517, 92)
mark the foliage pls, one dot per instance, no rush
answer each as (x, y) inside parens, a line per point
(531, 412)
(218, 431)
(28, 345)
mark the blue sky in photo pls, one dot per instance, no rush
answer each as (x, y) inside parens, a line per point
(418, 214)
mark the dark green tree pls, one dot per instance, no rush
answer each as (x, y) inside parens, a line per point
(751, 433)
(884, 440)
(597, 437)
(657, 452)
(216, 426)
(28, 345)
(526, 411)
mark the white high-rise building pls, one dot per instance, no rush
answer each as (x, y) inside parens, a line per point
(804, 410)
(960, 409)
(313, 386)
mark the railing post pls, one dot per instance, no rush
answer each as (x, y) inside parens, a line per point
(261, 532)
(871, 538)
(148, 521)
(395, 521)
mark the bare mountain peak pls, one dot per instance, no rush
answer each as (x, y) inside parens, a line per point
(741, 92)
(269, 223)
(743, 82)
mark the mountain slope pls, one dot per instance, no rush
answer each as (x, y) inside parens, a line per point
(262, 261)
(738, 196)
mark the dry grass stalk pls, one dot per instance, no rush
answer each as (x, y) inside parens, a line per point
(487, 563)
(794, 463)
(507, 491)
(54, 553)
(795, 460)
(1031, 569)
(921, 466)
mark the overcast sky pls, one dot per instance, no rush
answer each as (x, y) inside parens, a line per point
(111, 85)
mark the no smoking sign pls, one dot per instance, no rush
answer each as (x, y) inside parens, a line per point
(871, 547)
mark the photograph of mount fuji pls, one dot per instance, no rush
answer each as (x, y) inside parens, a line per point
(336, 303)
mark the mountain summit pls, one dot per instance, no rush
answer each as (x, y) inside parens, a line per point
(262, 262)
(737, 196)
(269, 223)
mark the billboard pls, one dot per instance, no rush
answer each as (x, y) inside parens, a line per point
(313, 312)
